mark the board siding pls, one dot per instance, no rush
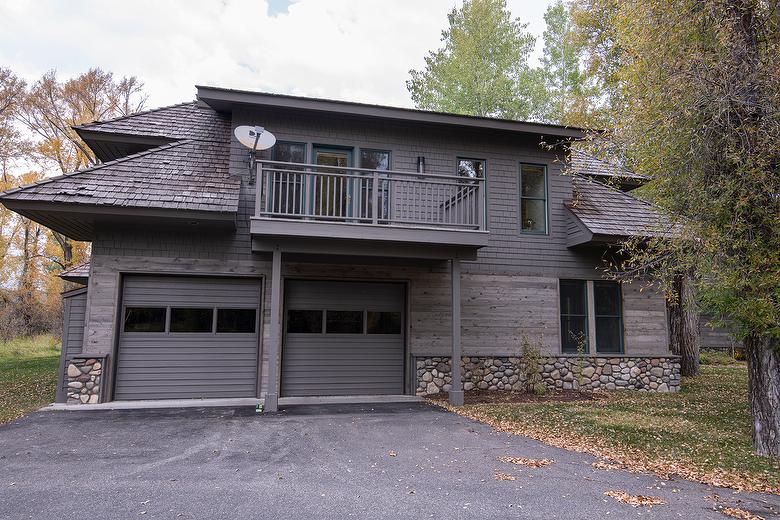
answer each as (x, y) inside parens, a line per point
(187, 365)
(74, 314)
(343, 364)
(507, 292)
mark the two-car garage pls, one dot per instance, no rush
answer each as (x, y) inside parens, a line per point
(199, 337)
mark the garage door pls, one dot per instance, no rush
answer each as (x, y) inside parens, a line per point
(188, 337)
(343, 338)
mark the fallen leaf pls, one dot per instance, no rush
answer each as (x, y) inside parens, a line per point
(635, 500)
(735, 512)
(503, 476)
(392, 454)
(531, 463)
(606, 466)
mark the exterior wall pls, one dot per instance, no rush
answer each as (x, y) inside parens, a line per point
(508, 292)
(84, 377)
(497, 374)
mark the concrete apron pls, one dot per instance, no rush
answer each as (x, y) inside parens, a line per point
(221, 403)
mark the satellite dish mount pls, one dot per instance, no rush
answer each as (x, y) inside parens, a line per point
(255, 138)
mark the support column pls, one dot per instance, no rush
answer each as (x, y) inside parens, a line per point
(456, 394)
(275, 340)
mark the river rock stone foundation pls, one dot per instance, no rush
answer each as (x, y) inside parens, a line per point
(83, 377)
(656, 374)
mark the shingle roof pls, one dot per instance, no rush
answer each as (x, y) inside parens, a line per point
(77, 273)
(188, 175)
(583, 163)
(608, 211)
(182, 121)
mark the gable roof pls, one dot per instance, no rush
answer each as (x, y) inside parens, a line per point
(585, 164)
(182, 121)
(176, 174)
(609, 214)
(182, 175)
(77, 273)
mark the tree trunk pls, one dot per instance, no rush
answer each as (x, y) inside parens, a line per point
(66, 246)
(684, 339)
(763, 360)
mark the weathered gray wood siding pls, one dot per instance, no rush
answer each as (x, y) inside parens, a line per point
(74, 307)
(509, 291)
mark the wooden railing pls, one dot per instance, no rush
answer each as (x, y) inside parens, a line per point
(364, 196)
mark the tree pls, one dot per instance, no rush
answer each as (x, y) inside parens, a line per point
(570, 95)
(51, 108)
(482, 68)
(697, 107)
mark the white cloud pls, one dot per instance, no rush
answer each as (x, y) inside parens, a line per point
(358, 50)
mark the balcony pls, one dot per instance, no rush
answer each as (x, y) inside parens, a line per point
(338, 204)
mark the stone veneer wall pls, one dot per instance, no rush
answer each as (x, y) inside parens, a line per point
(83, 379)
(650, 374)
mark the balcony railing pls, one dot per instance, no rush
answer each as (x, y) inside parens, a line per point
(363, 196)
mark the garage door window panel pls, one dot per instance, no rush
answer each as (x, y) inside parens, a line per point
(236, 321)
(145, 319)
(192, 319)
(304, 321)
(383, 322)
(344, 322)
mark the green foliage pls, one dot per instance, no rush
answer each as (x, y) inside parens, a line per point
(716, 358)
(569, 91)
(482, 68)
(696, 106)
(28, 374)
(530, 361)
(655, 430)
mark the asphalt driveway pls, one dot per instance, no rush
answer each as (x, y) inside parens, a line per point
(386, 461)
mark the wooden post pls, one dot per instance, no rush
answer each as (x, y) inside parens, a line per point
(456, 393)
(275, 341)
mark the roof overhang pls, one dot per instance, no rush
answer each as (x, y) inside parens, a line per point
(109, 146)
(224, 100)
(80, 221)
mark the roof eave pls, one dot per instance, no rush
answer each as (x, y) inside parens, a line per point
(223, 100)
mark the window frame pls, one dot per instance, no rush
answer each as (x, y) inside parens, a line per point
(590, 316)
(521, 198)
(620, 316)
(214, 316)
(586, 305)
(463, 158)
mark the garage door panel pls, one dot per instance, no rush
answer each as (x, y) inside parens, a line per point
(343, 364)
(187, 365)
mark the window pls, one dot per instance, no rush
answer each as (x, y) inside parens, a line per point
(344, 322)
(374, 160)
(471, 168)
(574, 316)
(145, 319)
(606, 327)
(236, 320)
(304, 322)
(186, 319)
(287, 190)
(609, 317)
(533, 198)
(383, 322)
(289, 152)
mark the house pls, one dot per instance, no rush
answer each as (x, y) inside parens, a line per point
(357, 256)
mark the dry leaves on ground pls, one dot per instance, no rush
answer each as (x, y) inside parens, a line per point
(503, 476)
(735, 512)
(606, 466)
(531, 463)
(634, 500)
(623, 458)
(392, 453)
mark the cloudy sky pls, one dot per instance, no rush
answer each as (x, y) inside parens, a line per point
(358, 50)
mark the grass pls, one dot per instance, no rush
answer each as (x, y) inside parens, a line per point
(702, 433)
(28, 374)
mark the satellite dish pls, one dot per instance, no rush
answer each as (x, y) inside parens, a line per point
(255, 137)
